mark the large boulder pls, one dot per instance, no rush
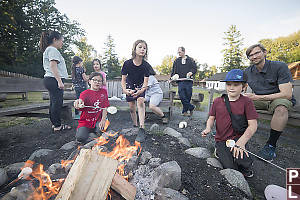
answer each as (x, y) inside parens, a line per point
(168, 175)
(169, 194)
(172, 132)
(198, 152)
(236, 179)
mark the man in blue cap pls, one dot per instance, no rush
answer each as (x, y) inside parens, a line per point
(241, 108)
(271, 82)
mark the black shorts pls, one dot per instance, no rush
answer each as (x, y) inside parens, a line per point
(131, 98)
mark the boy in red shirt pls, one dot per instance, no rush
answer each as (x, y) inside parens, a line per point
(92, 119)
(234, 158)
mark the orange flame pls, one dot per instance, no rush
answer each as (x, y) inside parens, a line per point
(122, 152)
(46, 188)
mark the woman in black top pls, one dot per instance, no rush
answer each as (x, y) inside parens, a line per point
(135, 77)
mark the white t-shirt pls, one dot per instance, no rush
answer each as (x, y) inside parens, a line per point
(50, 54)
(153, 86)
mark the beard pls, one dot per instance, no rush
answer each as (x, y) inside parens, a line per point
(257, 62)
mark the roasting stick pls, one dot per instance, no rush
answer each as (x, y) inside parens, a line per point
(110, 109)
(231, 143)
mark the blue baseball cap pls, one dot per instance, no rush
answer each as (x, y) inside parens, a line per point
(235, 75)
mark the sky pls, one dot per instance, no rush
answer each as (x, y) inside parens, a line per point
(197, 25)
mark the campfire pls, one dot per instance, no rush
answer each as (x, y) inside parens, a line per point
(93, 173)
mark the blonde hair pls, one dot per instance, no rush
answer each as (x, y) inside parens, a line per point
(133, 53)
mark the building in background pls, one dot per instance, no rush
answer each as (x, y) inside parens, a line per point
(214, 82)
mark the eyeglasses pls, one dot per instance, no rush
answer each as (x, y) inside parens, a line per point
(97, 81)
(255, 54)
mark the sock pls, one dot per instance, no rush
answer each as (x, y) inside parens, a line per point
(274, 136)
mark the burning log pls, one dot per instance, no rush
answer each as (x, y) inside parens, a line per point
(91, 176)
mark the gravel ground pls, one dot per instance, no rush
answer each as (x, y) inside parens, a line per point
(199, 181)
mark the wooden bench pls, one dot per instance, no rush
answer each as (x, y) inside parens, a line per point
(25, 110)
(294, 114)
(21, 85)
(115, 95)
(196, 99)
(115, 91)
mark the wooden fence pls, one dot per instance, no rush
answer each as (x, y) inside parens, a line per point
(15, 75)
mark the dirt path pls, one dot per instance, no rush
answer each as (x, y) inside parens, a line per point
(17, 143)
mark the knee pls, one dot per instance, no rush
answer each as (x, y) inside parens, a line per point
(281, 110)
(81, 137)
(151, 106)
(140, 102)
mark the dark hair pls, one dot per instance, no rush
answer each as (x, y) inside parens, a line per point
(182, 49)
(75, 61)
(248, 51)
(47, 38)
(133, 53)
(93, 74)
(96, 59)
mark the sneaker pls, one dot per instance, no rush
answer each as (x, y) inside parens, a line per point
(247, 173)
(141, 136)
(268, 152)
(77, 117)
(165, 120)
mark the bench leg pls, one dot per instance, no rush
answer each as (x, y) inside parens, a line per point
(66, 113)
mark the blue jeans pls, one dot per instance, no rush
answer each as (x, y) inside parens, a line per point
(78, 91)
(185, 91)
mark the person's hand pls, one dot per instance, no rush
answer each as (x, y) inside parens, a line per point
(175, 77)
(138, 92)
(129, 92)
(252, 96)
(102, 124)
(189, 74)
(60, 85)
(205, 132)
(239, 151)
(78, 104)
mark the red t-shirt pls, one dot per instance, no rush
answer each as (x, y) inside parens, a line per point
(90, 116)
(243, 105)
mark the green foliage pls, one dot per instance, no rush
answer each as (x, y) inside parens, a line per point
(233, 53)
(85, 50)
(22, 22)
(205, 71)
(110, 59)
(285, 49)
(166, 66)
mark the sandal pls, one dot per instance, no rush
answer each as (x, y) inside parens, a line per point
(64, 127)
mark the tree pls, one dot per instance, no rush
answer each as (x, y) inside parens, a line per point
(233, 53)
(285, 49)
(166, 66)
(205, 71)
(110, 60)
(22, 22)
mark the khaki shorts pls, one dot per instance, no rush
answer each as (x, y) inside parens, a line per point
(271, 105)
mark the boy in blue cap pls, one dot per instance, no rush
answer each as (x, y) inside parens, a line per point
(241, 106)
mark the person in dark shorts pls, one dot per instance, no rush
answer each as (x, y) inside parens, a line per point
(234, 158)
(134, 83)
(271, 82)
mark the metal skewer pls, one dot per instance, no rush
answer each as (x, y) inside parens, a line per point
(231, 143)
